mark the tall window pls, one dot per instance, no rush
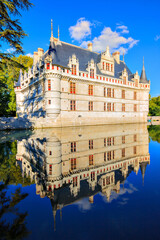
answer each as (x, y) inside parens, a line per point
(103, 65)
(111, 67)
(123, 152)
(91, 73)
(123, 139)
(113, 92)
(135, 95)
(90, 106)
(90, 160)
(49, 102)
(72, 87)
(92, 176)
(109, 141)
(75, 182)
(123, 94)
(104, 91)
(113, 107)
(90, 144)
(49, 85)
(50, 169)
(48, 66)
(104, 106)
(74, 70)
(123, 107)
(108, 107)
(73, 163)
(73, 146)
(135, 138)
(107, 66)
(90, 90)
(134, 150)
(104, 142)
(72, 105)
(108, 92)
(135, 107)
(104, 156)
(109, 156)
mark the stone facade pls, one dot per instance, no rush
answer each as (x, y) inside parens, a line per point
(70, 86)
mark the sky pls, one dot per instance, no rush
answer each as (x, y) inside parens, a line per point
(132, 27)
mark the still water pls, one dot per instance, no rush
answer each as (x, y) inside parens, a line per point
(80, 183)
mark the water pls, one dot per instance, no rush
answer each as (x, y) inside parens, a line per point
(80, 183)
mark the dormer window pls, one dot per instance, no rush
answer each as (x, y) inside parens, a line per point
(103, 65)
(111, 67)
(48, 66)
(91, 73)
(74, 69)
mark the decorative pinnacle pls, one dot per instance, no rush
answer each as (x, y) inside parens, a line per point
(51, 28)
(58, 32)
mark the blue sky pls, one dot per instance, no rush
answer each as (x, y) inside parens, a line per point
(130, 26)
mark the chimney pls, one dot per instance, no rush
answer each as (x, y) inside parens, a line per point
(116, 56)
(35, 58)
(40, 52)
(90, 46)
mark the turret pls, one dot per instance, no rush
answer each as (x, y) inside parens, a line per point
(143, 78)
(143, 169)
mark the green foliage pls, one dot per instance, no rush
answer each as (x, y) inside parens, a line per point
(154, 106)
(11, 31)
(9, 170)
(8, 76)
(154, 132)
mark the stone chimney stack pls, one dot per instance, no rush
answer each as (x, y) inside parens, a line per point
(35, 58)
(90, 46)
(40, 52)
(116, 56)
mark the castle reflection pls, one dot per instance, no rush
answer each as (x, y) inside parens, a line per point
(69, 164)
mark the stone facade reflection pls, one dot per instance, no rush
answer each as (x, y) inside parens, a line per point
(72, 163)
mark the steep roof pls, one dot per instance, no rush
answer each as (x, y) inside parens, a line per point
(143, 78)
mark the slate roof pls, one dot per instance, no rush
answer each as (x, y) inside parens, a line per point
(143, 78)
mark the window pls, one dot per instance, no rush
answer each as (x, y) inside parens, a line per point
(107, 66)
(50, 169)
(73, 163)
(48, 66)
(72, 105)
(109, 155)
(91, 73)
(75, 182)
(104, 92)
(90, 160)
(123, 94)
(113, 107)
(111, 67)
(135, 138)
(113, 92)
(123, 152)
(103, 65)
(90, 106)
(123, 139)
(90, 90)
(109, 141)
(50, 153)
(49, 85)
(107, 180)
(72, 87)
(134, 150)
(113, 140)
(104, 106)
(49, 101)
(104, 156)
(123, 107)
(104, 142)
(90, 144)
(74, 72)
(108, 92)
(73, 146)
(135, 107)
(108, 107)
(135, 95)
(92, 176)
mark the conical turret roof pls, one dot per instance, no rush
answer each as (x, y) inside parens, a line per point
(143, 78)
(143, 169)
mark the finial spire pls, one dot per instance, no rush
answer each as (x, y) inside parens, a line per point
(58, 32)
(143, 61)
(51, 28)
(123, 56)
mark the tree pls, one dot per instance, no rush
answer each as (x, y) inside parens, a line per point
(154, 106)
(8, 75)
(11, 31)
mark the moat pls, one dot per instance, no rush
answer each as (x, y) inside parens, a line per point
(80, 183)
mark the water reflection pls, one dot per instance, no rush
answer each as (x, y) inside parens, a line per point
(74, 163)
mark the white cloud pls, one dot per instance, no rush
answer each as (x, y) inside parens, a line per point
(157, 38)
(29, 55)
(10, 50)
(81, 30)
(114, 39)
(123, 28)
